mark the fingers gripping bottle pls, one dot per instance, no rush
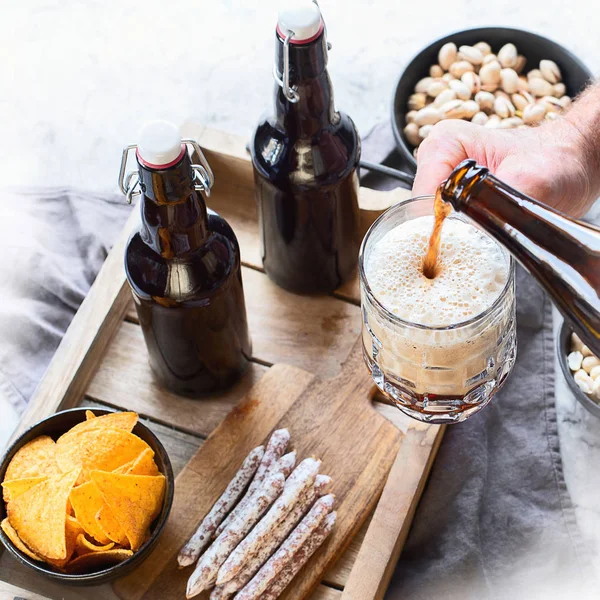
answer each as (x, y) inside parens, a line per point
(305, 156)
(183, 266)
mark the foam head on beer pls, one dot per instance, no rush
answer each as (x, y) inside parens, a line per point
(472, 271)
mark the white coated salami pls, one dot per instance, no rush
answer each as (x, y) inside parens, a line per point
(208, 566)
(199, 541)
(269, 572)
(299, 482)
(253, 563)
(274, 451)
(299, 559)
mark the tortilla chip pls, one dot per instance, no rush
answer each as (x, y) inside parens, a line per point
(15, 487)
(72, 531)
(107, 449)
(109, 524)
(89, 415)
(68, 444)
(16, 540)
(136, 499)
(143, 465)
(84, 546)
(86, 500)
(116, 420)
(35, 459)
(39, 515)
(97, 561)
(100, 449)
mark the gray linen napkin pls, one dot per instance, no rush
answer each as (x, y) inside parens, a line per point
(53, 245)
(496, 520)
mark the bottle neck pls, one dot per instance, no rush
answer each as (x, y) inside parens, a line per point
(174, 217)
(561, 253)
(314, 109)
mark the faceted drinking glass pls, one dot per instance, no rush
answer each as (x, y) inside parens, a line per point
(435, 374)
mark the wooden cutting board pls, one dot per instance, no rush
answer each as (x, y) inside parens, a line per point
(333, 420)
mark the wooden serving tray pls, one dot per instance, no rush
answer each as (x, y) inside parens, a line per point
(319, 388)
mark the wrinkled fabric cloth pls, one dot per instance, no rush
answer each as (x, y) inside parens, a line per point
(53, 245)
(496, 520)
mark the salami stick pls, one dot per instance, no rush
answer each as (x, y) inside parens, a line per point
(269, 572)
(299, 482)
(208, 566)
(253, 563)
(299, 559)
(275, 449)
(191, 551)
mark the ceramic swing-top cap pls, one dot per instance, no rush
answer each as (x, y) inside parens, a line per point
(159, 144)
(303, 17)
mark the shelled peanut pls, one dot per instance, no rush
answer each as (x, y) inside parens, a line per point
(585, 367)
(473, 83)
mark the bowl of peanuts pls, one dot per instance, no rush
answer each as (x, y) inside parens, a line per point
(495, 77)
(581, 369)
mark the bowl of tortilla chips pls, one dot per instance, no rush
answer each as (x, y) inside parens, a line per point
(86, 494)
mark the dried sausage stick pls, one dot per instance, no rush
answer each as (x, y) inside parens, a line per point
(286, 463)
(208, 566)
(254, 563)
(269, 572)
(300, 559)
(191, 551)
(275, 449)
(299, 482)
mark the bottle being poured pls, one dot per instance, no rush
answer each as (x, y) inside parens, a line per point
(562, 253)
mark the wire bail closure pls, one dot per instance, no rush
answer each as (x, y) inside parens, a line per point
(290, 93)
(202, 174)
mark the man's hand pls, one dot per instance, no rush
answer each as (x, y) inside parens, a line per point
(554, 163)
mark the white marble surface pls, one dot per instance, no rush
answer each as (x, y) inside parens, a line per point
(77, 79)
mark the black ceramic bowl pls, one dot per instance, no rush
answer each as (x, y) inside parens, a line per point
(534, 47)
(55, 426)
(564, 349)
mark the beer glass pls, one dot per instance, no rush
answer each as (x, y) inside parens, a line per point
(435, 374)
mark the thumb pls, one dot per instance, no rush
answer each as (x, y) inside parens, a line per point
(438, 154)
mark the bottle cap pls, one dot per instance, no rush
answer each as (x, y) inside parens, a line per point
(303, 17)
(159, 144)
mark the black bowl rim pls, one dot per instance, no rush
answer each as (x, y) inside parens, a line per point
(105, 575)
(400, 141)
(582, 398)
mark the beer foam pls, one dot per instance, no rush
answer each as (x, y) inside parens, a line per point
(472, 272)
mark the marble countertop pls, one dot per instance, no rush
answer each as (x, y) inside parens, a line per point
(79, 78)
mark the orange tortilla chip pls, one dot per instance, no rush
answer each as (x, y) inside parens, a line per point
(99, 449)
(107, 449)
(72, 531)
(136, 499)
(15, 487)
(16, 540)
(35, 459)
(97, 561)
(39, 515)
(89, 415)
(86, 500)
(143, 465)
(68, 444)
(109, 524)
(84, 546)
(116, 420)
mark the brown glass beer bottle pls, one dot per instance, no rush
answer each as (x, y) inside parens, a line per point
(563, 254)
(305, 156)
(183, 266)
